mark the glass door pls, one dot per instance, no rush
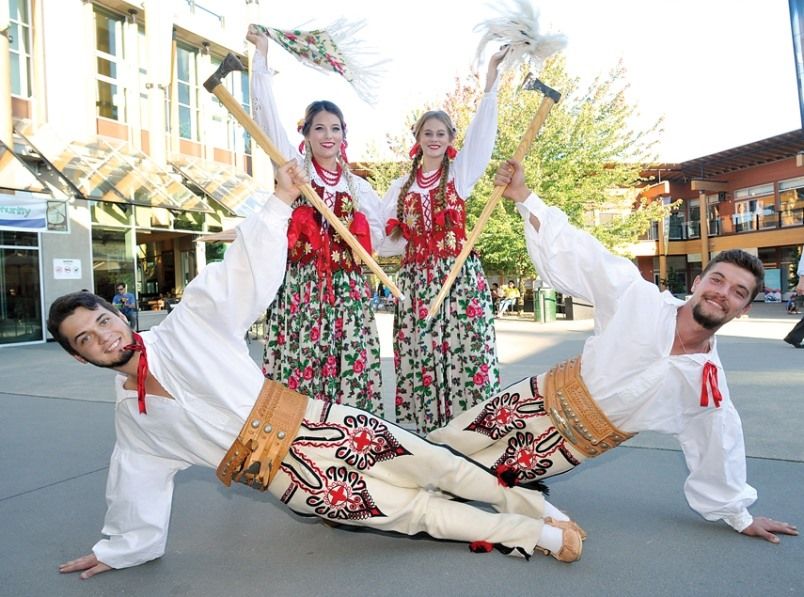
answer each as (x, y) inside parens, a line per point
(20, 296)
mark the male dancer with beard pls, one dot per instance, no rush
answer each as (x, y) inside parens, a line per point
(188, 392)
(652, 364)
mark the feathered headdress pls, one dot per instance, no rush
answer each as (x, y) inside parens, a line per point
(335, 49)
(518, 26)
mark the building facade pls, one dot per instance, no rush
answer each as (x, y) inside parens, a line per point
(749, 197)
(114, 159)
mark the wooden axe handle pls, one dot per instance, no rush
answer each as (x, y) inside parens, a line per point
(524, 145)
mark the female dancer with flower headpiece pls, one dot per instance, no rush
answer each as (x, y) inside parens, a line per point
(321, 334)
(449, 364)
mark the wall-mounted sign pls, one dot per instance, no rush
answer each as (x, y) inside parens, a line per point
(66, 269)
(32, 213)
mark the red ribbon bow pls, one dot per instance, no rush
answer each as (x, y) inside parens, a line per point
(303, 226)
(441, 218)
(142, 369)
(393, 223)
(710, 380)
(361, 230)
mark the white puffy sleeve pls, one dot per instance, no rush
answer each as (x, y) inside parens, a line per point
(230, 295)
(139, 493)
(713, 446)
(263, 107)
(388, 209)
(574, 262)
(478, 145)
(369, 205)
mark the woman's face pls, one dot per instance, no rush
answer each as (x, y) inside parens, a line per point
(325, 136)
(434, 138)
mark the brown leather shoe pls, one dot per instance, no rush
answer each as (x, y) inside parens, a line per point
(566, 524)
(571, 547)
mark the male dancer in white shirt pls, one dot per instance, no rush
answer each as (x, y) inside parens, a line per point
(652, 364)
(186, 387)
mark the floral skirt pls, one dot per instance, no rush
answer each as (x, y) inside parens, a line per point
(328, 351)
(450, 364)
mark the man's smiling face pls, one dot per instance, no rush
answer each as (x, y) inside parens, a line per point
(98, 336)
(721, 295)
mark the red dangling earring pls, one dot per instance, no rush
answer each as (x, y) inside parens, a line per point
(344, 145)
(451, 152)
(414, 150)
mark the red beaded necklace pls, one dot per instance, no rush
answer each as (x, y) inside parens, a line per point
(426, 182)
(330, 178)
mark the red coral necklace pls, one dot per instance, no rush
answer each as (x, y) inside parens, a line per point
(330, 178)
(426, 182)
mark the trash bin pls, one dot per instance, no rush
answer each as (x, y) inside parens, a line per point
(544, 305)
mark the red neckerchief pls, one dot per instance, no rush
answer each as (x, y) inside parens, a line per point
(710, 379)
(142, 369)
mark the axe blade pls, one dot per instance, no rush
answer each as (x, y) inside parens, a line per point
(533, 83)
(229, 64)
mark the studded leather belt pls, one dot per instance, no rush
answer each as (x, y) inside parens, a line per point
(265, 438)
(575, 415)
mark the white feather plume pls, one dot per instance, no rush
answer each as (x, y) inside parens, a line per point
(518, 26)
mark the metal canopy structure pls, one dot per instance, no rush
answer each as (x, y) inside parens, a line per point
(15, 174)
(106, 169)
(235, 190)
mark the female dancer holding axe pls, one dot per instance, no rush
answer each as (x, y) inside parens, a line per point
(321, 335)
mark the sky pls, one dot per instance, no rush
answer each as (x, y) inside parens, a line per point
(720, 72)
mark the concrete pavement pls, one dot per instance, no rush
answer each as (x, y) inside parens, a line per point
(57, 432)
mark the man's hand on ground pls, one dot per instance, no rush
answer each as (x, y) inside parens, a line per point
(764, 528)
(89, 564)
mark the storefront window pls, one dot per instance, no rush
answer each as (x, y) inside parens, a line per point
(18, 239)
(20, 293)
(112, 261)
(676, 281)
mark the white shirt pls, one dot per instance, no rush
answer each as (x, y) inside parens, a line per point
(629, 370)
(267, 116)
(199, 356)
(465, 170)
